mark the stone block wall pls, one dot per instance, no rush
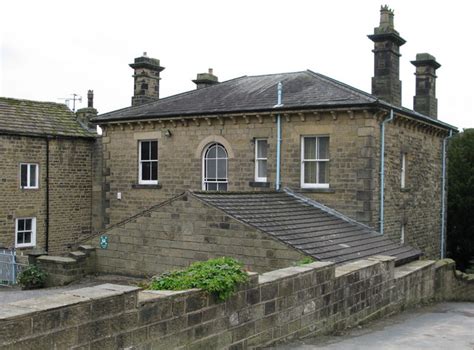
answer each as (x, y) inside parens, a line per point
(16, 202)
(418, 205)
(70, 198)
(183, 231)
(352, 166)
(62, 270)
(70, 179)
(318, 298)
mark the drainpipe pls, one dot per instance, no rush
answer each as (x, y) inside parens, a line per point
(46, 247)
(382, 169)
(278, 155)
(443, 198)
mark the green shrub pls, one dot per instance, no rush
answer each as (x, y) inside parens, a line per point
(32, 277)
(216, 276)
(305, 260)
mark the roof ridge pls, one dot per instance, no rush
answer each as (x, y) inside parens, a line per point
(34, 101)
(347, 87)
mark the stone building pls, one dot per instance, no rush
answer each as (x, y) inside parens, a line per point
(46, 175)
(361, 154)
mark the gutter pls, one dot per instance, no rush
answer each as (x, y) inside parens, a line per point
(443, 198)
(382, 170)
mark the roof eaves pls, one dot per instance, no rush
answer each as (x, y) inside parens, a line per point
(416, 115)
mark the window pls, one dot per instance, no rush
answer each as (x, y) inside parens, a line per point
(403, 164)
(215, 168)
(315, 162)
(28, 175)
(261, 147)
(148, 162)
(25, 232)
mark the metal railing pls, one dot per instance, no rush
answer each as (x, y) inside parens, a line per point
(9, 268)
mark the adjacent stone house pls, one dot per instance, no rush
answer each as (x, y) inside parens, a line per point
(361, 154)
(46, 174)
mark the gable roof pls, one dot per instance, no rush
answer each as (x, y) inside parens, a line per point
(301, 90)
(25, 117)
(307, 225)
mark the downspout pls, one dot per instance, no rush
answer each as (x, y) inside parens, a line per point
(382, 169)
(47, 198)
(278, 148)
(443, 198)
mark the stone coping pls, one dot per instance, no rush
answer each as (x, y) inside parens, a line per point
(68, 298)
(57, 259)
(404, 270)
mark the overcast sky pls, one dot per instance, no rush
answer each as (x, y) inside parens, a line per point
(51, 49)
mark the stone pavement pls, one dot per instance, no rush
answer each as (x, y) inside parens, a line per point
(441, 326)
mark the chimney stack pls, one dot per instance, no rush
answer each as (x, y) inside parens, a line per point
(425, 101)
(146, 79)
(386, 83)
(84, 115)
(205, 79)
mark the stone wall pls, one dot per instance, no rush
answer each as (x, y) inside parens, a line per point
(352, 166)
(16, 202)
(70, 178)
(418, 205)
(315, 299)
(62, 270)
(182, 231)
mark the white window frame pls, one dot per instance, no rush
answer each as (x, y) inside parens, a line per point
(28, 171)
(403, 170)
(302, 168)
(33, 233)
(402, 233)
(205, 180)
(140, 161)
(257, 160)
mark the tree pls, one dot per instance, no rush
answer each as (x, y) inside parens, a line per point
(460, 226)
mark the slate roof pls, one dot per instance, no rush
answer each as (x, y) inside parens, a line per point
(308, 226)
(24, 117)
(301, 90)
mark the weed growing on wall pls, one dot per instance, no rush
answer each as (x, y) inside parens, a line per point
(216, 276)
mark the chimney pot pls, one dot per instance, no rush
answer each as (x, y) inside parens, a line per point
(90, 99)
(205, 79)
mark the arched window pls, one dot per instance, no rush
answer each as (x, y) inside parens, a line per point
(215, 168)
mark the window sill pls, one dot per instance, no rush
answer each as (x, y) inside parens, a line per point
(316, 190)
(405, 189)
(259, 184)
(148, 187)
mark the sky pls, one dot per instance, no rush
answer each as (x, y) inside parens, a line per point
(52, 49)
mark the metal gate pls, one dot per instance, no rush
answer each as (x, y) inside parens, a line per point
(9, 268)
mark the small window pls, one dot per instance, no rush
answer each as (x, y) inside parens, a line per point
(25, 232)
(148, 162)
(28, 175)
(403, 169)
(261, 148)
(215, 168)
(315, 162)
